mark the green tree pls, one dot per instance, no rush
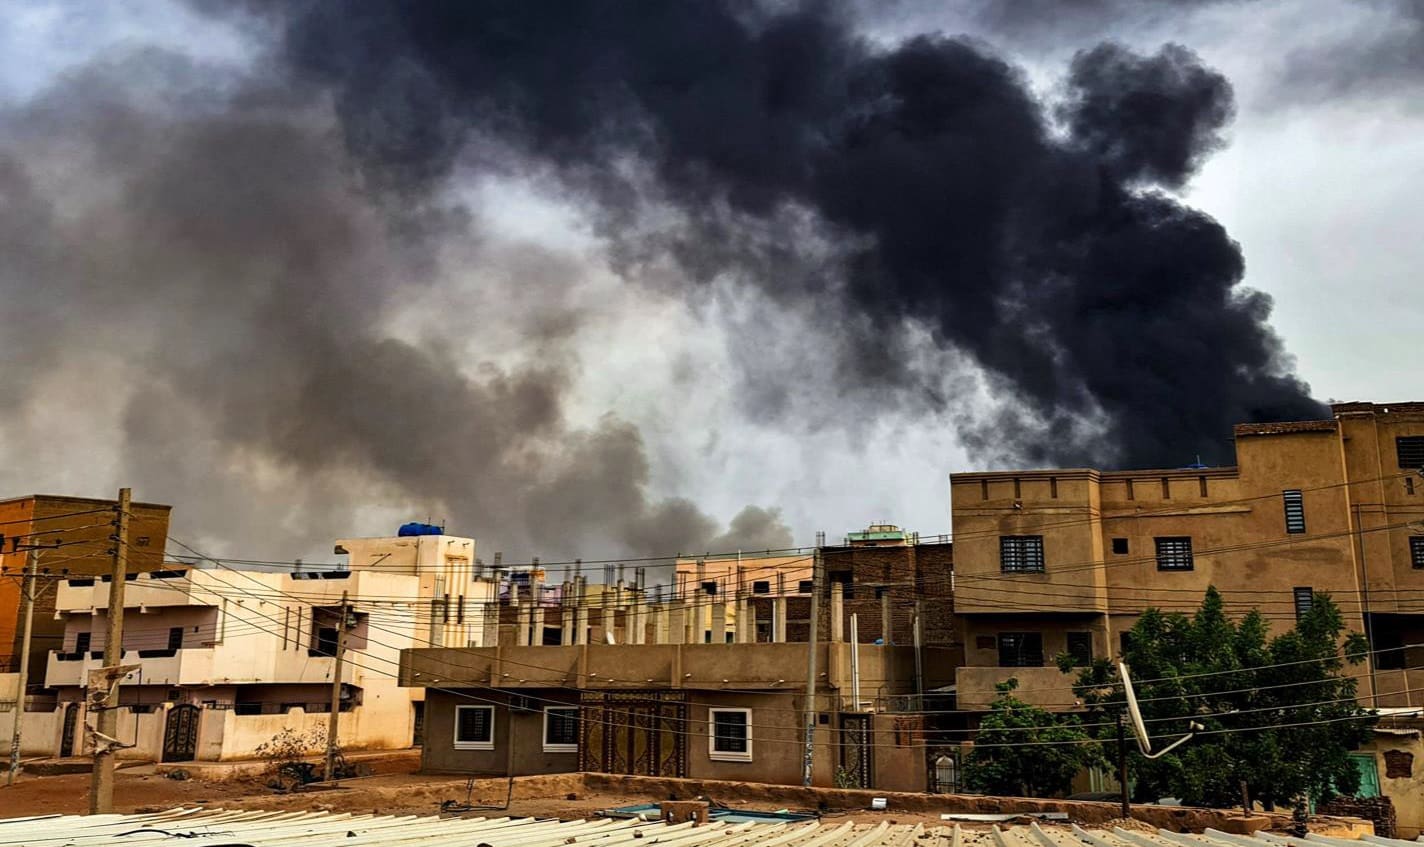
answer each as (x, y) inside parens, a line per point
(1279, 713)
(1026, 751)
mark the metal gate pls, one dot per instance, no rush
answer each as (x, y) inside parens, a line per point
(180, 734)
(856, 751)
(71, 722)
(633, 733)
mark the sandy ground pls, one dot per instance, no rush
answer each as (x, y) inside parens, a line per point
(394, 788)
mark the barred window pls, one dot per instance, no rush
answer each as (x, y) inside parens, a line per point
(1020, 649)
(1294, 502)
(1416, 550)
(474, 727)
(731, 735)
(1021, 553)
(1410, 450)
(1080, 647)
(1304, 602)
(1174, 553)
(561, 729)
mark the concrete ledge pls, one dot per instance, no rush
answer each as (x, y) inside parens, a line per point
(56, 767)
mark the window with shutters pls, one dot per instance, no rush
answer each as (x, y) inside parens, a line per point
(1416, 550)
(730, 735)
(474, 727)
(1080, 647)
(1021, 553)
(1304, 602)
(1174, 553)
(561, 729)
(1020, 649)
(1295, 510)
(1410, 451)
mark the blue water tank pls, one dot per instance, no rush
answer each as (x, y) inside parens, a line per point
(416, 528)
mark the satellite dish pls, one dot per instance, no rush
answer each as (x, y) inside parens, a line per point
(1139, 729)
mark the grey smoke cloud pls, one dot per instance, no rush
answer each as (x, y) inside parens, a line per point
(204, 237)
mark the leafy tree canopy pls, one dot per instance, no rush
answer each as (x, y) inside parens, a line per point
(1279, 713)
(1026, 751)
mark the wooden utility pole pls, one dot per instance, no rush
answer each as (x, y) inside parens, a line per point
(27, 589)
(101, 790)
(333, 724)
(809, 755)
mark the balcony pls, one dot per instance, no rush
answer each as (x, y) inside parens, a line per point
(192, 666)
(146, 590)
(1045, 686)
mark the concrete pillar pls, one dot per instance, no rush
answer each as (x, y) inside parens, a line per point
(636, 623)
(521, 627)
(661, 626)
(746, 624)
(491, 625)
(581, 624)
(778, 620)
(719, 623)
(885, 616)
(677, 623)
(693, 620)
(566, 624)
(536, 625)
(837, 611)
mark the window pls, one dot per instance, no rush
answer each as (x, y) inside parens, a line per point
(1119, 546)
(81, 642)
(1021, 553)
(561, 729)
(1304, 601)
(1124, 644)
(761, 587)
(1020, 649)
(1416, 551)
(474, 727)
(1080, 647)
(805, 586)
(709, 587)
(175, 638)
(1410, 449)
(325, 642)
(1408, 489)
(730, 735)
(1174, 554)
(1295, 510)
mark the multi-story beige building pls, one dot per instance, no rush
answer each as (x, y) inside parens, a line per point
(227, 658)
(1050, 562)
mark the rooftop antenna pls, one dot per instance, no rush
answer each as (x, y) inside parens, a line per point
(1139, 728)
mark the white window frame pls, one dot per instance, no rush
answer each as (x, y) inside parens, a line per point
(558, 748)
(474, 745)
(726, 755)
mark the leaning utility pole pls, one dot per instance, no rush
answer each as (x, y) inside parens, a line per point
(101, 791)
(809, 755)
(333, 723)
(27, 590)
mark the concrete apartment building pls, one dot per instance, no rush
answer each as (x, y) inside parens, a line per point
(80, 528)
(649, 687)
(1063, 561)
(229, 658)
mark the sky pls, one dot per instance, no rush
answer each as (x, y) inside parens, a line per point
(493, 337)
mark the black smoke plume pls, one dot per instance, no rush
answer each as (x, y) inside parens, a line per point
(1107, 315)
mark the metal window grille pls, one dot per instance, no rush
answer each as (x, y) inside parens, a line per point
(475, 724)
(562, 727)
(1294, 502)
(1304, 602)
(729, 732)
(1410, 450)
(1021, 553)
(1416, 550)
(1020, 649)
(1174, 554)
(1080, 647)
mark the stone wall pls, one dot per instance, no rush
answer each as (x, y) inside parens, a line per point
(1378, 810)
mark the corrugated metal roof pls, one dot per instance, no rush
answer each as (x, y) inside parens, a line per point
(219, 828)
